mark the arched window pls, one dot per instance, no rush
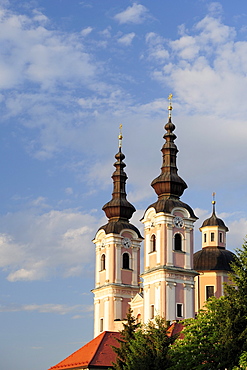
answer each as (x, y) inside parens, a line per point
(102, 260)
(178, 242)
(152, 311)
(126, 261)
(101, 325)
(153, 243)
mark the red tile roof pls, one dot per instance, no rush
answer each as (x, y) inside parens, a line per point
(175, 329)
(98, 352)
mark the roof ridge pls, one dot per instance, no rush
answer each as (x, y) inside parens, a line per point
(106, 332)
(60, 365)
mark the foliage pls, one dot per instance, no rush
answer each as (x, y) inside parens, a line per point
(216, 339)
(218, 336)
(203, 344)
(143, 348)
(127, 334)
(149, 349)
(242, 362)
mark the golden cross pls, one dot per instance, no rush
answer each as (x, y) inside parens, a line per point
(170, 97)
(170, 105)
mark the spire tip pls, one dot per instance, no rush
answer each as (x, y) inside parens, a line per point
(170, 105)
(120, 136)
(213, 201)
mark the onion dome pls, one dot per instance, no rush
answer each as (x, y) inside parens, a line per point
(169, 183)
(214, 220)
(212, 259)
(118, 209)
(169, 186)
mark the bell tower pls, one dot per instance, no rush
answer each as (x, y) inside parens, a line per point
(213, 261)
(168, 278)
(117, 255)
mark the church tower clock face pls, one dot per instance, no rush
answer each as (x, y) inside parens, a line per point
(178, 222)
(126, 242)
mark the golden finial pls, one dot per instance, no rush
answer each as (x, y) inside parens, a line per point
(213, 201)
(170, 106)
(120, 136)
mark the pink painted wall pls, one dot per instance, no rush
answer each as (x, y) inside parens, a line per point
(126, 276)
(178, 259)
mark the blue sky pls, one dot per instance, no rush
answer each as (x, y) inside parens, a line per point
(70, 72)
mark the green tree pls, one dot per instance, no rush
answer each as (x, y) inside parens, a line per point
(203, 344)
(149, 347)
(218, 336)
(127, 334)
(242, 362)
(143, 348)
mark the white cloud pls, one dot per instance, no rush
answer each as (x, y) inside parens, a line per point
(106, 32)
(156, 49)
(40, 202)
(69, 191)
(237, 233)
(86, 31)
(206, 69)
(57, 242)
(136, 13)
(40, 55)
(60, 309)
(40, 17)
(215, 8)
(186, 46)
(35, 272)
(126, 39)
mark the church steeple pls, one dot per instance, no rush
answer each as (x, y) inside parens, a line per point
(168, 278)
(169, 184)
(213, 261)
(118, 208)
(117, 244)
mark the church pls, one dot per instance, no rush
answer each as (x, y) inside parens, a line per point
(175, 281)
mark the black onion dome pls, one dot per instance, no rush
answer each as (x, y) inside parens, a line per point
(116, 227)
(214, 221)
(167, 205)
(169, 183)
(118, 208)
(213, 258)
(169, 186)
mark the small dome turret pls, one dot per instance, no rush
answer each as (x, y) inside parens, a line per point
(213, 220)
(213, 256)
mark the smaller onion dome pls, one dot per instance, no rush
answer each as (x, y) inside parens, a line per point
(213, 258)
(214, 220)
